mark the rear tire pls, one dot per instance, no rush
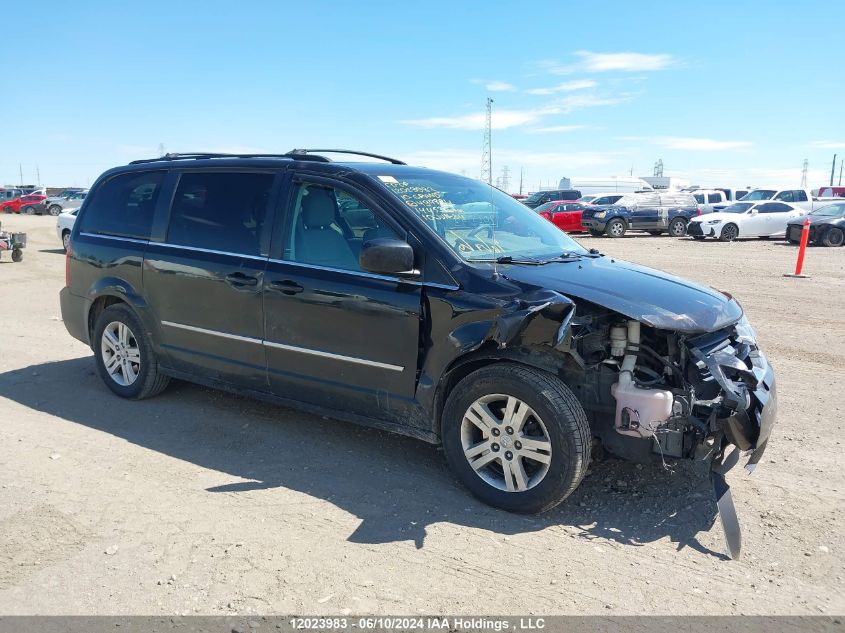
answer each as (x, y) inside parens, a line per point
(29, 210)
(833, 237)
(729, 233)
(553, 422)
(135, 380)
(616, 228)
(678, 227)
(66, 239)
(54, 210)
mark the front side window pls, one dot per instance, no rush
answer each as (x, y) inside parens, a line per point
(785, 196)
(220, 211)
(830, 211)
(800, 196)
(327, 227)
(124, 205)
(713, 198)
(699, 198)
(606, 200)
(739, 207)
(477, 221)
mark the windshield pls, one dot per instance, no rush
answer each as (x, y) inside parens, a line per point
(586, 198)
(607, 200)
(830, 211)
(739, 207)
(548, 206)
(760, 194)
(534, 197)
(479, 222)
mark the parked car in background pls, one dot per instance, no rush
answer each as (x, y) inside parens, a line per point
(68, 199)
(608, 198)
(653, 212)
(587, 199)
(827, 226)
(9, 194)
(831, 192)
(801, 198)
(564, 215)
(708, 198)
(542, 197)
(64, 226)
(30, 204)
(756, 218)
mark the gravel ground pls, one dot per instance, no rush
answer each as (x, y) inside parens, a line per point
(203, 502)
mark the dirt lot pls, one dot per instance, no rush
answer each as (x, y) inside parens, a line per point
(202, 502)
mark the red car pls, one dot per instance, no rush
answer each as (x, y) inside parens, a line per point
(565, 215)
(29, 204)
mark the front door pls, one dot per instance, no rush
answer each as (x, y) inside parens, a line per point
(204, 280)
(336, 335)
(776, 215)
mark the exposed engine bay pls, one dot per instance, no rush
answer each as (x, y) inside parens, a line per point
(659, 394)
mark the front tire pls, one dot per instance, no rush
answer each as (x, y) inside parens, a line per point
(616, 228)
(54, 210)
(125, 359)
(66, 240)
(516, 437)
(833, 237)
(729, 233)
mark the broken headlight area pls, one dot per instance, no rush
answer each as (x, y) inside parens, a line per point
(680, 396)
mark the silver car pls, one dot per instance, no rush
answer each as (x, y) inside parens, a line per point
(65, 201)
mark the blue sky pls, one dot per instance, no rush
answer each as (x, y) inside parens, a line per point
(725, 93)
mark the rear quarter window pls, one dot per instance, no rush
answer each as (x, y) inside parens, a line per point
(124, 205)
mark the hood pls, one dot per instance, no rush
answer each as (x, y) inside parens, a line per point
(716, 215)
(652, 297)
(816, 219)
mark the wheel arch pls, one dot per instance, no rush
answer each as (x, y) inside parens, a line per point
(108, 292)
(485, 356)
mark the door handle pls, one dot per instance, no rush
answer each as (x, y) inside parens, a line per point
(288, 287)
(239, 279)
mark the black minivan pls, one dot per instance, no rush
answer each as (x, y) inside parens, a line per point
(415, 301)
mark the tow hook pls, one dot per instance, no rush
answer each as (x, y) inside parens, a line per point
(719, 467)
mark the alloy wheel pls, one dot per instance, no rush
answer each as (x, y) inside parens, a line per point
(617, 229)
(506, 443)
(55, 210)
(121, 353)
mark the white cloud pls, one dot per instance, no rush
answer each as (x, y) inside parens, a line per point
(581, 101)
(566, 86)
(701, 144)
(828, 144)
(610, 62)
(624, 62)
(502, 119)
(499, 86)
(556, 129)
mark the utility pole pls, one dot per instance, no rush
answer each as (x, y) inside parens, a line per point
(487, 151)
(520, 179)
(20, 174)
(840, 170)
(832, 170)
(38, 175)
(161, 151)
(804, 174)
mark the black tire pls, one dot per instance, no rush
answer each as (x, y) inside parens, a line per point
(655, 233)
(595, 233)
(150, 381)
(729, 233)
(678, 227)
(29, 210)
(7, 209)
(834, 236)
(564, 420)
(54, 210)
(17, 254)
(65, 239)
(616, 228)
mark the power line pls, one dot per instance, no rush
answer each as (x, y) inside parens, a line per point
(804, 174)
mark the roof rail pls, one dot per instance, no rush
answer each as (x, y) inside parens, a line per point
(301, 153)
(203, 155)
(294, 154)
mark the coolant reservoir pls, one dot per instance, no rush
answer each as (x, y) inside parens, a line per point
(640, 411)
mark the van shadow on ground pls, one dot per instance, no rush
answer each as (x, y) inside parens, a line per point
(397, 486)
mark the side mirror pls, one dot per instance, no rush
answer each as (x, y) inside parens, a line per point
(388, 256)
(753, 212)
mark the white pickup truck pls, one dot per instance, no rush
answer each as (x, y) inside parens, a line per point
(801, 198)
